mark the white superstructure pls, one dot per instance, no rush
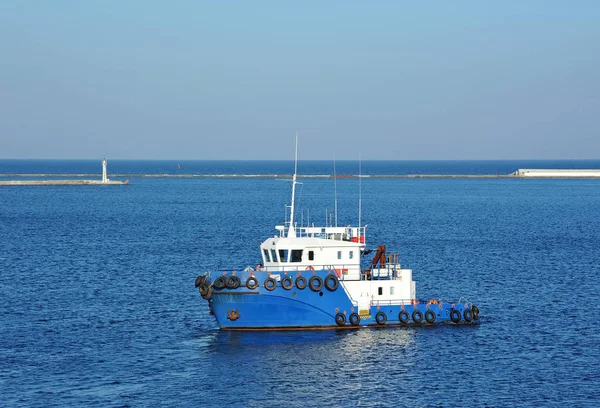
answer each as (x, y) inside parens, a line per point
(339, 250)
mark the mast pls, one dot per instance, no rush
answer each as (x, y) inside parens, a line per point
(335, 192)
(359, 195)
(292, 230)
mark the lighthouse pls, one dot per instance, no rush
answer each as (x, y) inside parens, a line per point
(104, 178)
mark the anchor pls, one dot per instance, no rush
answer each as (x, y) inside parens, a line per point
(233, 315)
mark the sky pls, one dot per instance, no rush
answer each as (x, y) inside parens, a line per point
(190, 79)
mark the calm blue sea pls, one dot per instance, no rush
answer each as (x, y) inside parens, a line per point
(307, 167)
(98, 305)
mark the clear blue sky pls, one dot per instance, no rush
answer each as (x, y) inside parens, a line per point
(234, 80)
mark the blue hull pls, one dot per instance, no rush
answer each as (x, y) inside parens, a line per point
(248, 308)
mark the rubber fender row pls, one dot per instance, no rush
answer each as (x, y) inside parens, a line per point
(231, 282)
(417, 316)
(204, 288)
(354, 318)
(468, 315)
(315, 283)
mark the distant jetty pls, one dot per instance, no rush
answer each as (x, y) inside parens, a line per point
(555, 173)
(519, 174)
(103, 182)
(60, 182)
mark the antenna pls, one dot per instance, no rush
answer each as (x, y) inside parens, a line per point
(335, 192)
(291, 230)
(359, 194)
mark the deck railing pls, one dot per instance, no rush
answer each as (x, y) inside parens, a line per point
(341, 270)
(350, 234)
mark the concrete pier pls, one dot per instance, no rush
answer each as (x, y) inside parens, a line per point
(60, 182)
(555, 173)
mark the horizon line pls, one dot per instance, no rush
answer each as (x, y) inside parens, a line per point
(301, 160)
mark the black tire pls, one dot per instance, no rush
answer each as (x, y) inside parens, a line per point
(233, 282)
(220, 283)
(301, 283)
(252, 282)
(354, 319)
(270, 284)
(403, 316)
(468, 315)
(380, 318)
(340, 319)
(455, 316)
(203, 288)
(475, 312)
(417, 316)
(199, 280)
(315, 283)
(208, 293)
(331, 282)
(287, 283)
(430, 316)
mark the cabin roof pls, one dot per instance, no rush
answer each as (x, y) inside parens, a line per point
(308, 242)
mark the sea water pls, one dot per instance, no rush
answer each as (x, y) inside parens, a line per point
(98, 305)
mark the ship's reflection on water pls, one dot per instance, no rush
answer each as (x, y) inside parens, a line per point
(337, 344)
(309, 364)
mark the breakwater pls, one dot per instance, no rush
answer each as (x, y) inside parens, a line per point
(61, 182)
(516, 175)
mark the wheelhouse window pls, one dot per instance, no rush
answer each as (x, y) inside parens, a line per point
(283, 255)
(311, 255)
(296, 255)
(266, 253)
(273, 256)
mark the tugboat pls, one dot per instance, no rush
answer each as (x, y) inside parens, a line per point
(311, 278)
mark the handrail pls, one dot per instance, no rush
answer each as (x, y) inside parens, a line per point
(349, 233)
(391, 302)
(440, 301)
(291, 267)
(393, 271)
